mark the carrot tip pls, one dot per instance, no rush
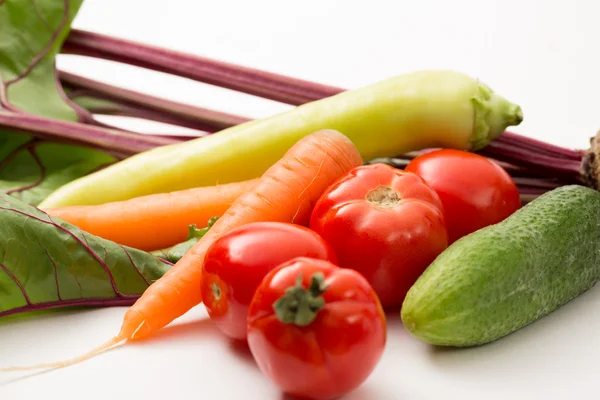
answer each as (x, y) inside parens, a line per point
(62, 364)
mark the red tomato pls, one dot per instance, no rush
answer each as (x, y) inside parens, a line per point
(316, 330)
(385, 223)
(475, 191)
(236, 263)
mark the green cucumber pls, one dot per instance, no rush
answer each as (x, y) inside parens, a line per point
(506, 276)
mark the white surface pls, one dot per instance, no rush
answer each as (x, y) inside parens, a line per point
(542, 55)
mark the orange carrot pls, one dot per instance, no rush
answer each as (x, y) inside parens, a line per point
(156, 221)
(286, 192)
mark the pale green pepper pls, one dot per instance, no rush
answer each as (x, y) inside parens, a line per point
(410, 112)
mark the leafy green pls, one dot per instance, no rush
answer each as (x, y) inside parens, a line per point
(31, 35)
(48, 263)
(175, 253)
(37, 168)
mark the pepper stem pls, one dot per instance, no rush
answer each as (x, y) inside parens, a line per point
(300, 306)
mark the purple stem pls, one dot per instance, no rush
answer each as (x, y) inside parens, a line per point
(150, 115)
(540, 183)
(542, 164)
(529, 194)
(150, 107)
(243, 79)
(83, 115)
(515, 171)
(77, 133)
(539, 146)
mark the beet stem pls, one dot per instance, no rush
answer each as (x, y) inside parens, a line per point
(539, 146)
(547, 165)
(132, 103)
(243, 79)
(82, 134)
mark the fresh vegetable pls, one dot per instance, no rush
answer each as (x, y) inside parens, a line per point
(236, 263)
(385, 223)
(383, 119)
(316, 330)
(503, 277)
(176, 252)
(48, 263)
(475, 191)
(155, 221)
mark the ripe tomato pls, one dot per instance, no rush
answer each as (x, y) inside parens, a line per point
(385, 223)
(235, 264)
(475, 191)
(314, 329)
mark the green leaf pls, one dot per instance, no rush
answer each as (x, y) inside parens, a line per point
(48, 263)
(32, 169)
(31, 35)
(175, 253)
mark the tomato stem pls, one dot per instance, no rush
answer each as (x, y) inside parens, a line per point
(300, 306)
(383, 197)
(216, 290)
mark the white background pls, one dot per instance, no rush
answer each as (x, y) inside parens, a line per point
(542, 55)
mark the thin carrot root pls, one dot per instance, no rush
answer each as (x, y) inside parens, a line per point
(67, 363)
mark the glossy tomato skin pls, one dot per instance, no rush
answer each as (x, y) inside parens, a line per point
(236, 263)
(337, 351)
(391, 245)
(475, 191)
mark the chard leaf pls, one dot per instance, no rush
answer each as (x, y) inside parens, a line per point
(31, 169)
(31, 35)
(48, 263)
